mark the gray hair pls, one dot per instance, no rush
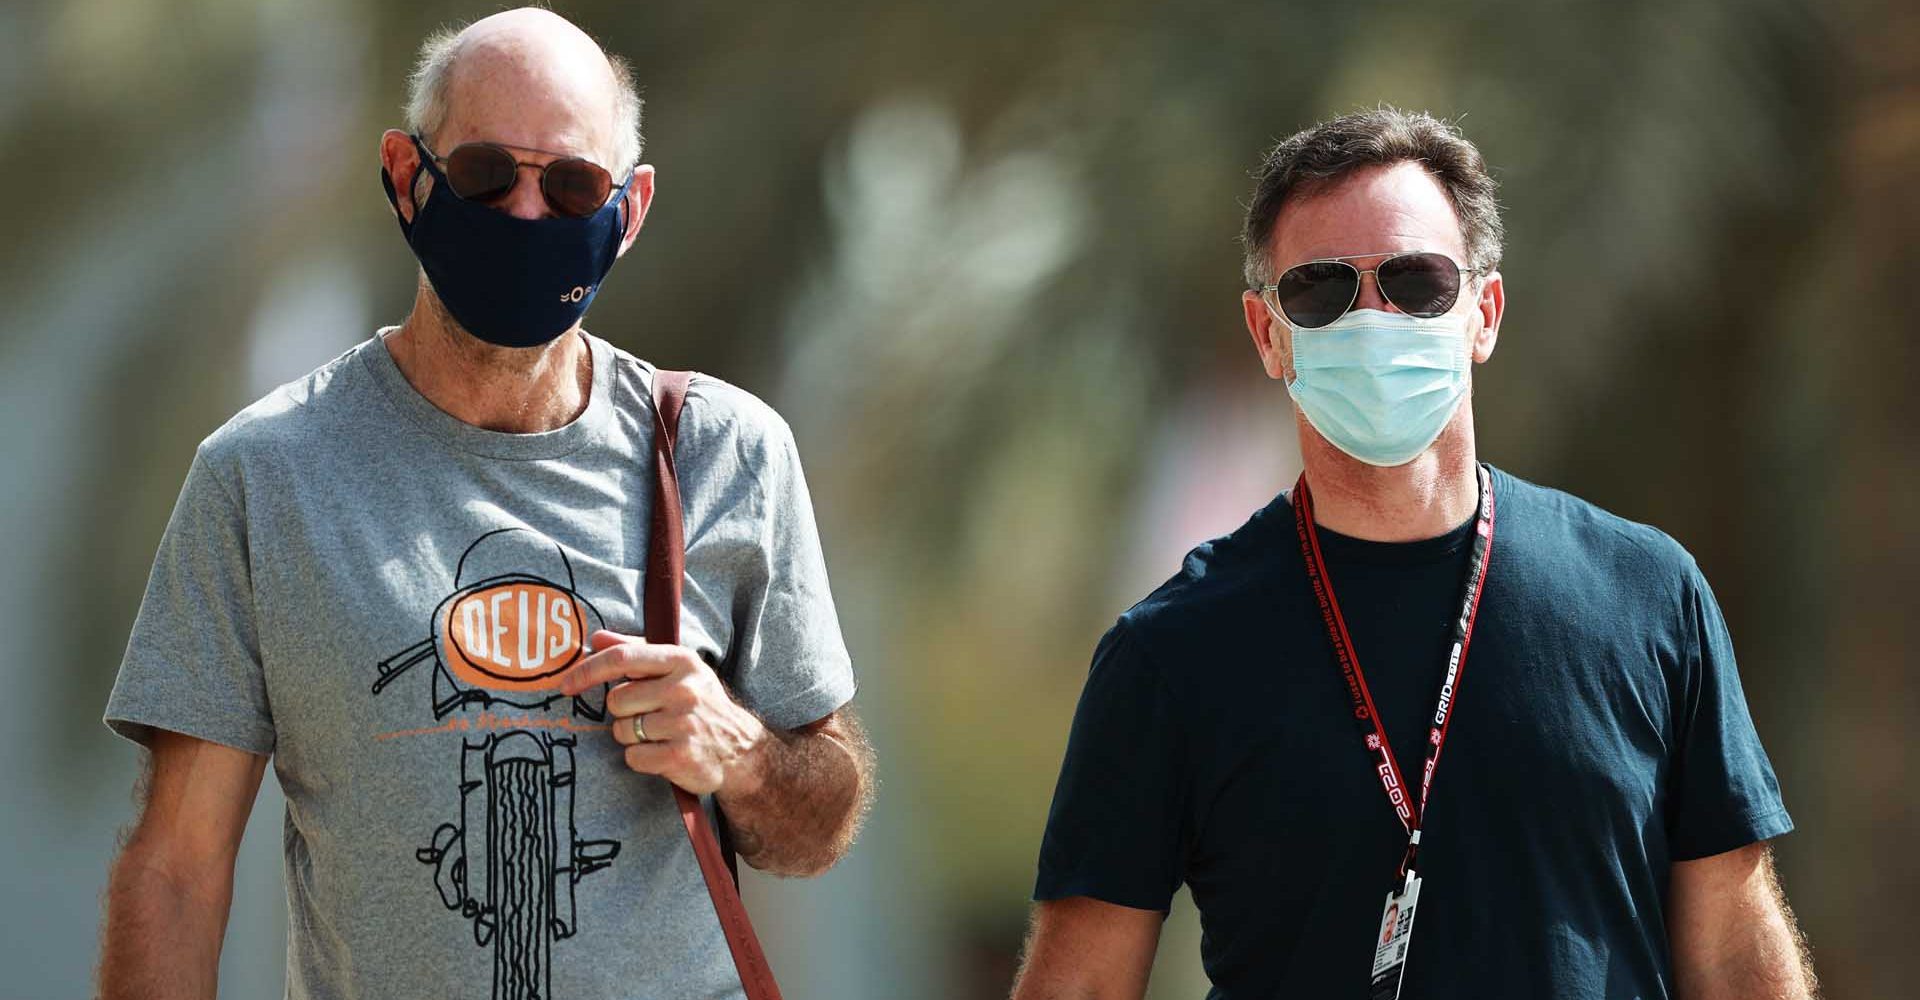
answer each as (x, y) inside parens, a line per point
(1379, 137)
(426, 108)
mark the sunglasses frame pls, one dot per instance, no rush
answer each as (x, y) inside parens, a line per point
(1269, 293)
(519, 165)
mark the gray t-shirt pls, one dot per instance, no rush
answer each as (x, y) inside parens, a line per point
(379, 596)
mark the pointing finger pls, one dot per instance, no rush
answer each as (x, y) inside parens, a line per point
(622, 661)
(606, 637)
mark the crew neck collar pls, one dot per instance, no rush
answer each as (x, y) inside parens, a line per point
(1346, 548)
(588, 426)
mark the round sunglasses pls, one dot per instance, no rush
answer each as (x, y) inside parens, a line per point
(487, 171)
(1314, 294)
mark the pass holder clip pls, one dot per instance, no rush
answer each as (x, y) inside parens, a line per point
(1396, 936)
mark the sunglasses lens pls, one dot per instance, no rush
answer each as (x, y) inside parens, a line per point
(480, 172)
(1317, 293)
(576, 187)
(1420, 284)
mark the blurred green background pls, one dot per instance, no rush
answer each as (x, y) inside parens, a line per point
(981, 255)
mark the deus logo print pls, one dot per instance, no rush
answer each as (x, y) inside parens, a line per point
(512, 625)
(514, 634)
(498, 644)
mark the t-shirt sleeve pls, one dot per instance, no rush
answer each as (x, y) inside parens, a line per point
(788, 660)
(193, 663)
(1723, 792)
(1118, 829)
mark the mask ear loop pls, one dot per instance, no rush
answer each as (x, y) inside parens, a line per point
(621, 212)
(393, 197)
(1267, 299)
(386, 184)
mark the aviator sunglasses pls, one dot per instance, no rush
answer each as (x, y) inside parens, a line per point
(1314, 294)
(486, 171)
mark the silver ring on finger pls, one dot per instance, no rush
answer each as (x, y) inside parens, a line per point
(639, 734)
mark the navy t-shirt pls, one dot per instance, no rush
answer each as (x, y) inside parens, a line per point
(1600, 734)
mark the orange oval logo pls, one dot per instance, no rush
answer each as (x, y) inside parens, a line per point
(513, 636)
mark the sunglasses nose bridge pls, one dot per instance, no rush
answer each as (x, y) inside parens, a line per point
(1369, 294)
(524, 199)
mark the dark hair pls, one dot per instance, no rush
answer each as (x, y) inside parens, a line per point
(1382, 136)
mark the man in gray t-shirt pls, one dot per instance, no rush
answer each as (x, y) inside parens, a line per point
(413, 580)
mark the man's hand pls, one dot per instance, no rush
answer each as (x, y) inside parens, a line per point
(697, 736)
(1085, 949)
(794, 800)
(1732, 934)
(169, 890)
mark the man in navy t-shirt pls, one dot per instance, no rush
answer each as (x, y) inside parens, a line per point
(1419, 728)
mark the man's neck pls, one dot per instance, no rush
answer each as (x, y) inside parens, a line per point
(1425, 498)
(516, 390)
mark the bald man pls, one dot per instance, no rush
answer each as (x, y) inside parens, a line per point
(412, 580)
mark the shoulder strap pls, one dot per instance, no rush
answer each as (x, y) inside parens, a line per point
(666, 568)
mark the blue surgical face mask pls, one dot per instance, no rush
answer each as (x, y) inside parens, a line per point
(510, 281)
(1381, 386)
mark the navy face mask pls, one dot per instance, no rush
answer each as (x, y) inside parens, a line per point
(510, 281)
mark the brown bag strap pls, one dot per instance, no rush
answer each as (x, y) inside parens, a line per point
(666, 567)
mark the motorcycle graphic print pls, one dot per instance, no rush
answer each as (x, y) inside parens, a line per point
(500, 641)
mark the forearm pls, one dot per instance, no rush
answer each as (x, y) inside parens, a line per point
(1050, 975)
(1084, 949)
(163, 933)
(1766, 964)
(1734, 936)
(796, 806)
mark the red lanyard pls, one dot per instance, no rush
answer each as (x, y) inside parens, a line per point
(1364, 714)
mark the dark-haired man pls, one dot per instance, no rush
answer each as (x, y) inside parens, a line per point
(1419, 728)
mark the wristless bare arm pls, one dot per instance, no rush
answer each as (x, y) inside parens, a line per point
(1732, 934)
(1085, 949)
(170, 888)
(799, 799)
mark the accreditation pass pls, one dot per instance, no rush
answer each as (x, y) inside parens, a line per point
(1396, 933)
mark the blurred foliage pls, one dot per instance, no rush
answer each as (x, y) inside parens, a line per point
(982, 256)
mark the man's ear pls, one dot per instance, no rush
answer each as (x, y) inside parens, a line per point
(639, 198)
(1271, 338)
(401, 161)
(1492, 305)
